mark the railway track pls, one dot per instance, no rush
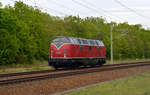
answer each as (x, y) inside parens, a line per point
(51, 71)
(49, 74)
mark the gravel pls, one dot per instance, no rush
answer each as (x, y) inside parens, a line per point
(53, 86)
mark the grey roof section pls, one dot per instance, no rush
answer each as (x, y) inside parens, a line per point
(81, 41)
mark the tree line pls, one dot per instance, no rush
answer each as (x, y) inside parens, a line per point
(26, 33)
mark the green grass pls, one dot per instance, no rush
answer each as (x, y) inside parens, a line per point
(25, 67)
(136, 85)
(127, 61)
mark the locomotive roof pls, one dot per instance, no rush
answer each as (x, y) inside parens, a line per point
(81, 41)
(75, 38)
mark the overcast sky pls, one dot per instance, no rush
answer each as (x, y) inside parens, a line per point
(109, 9)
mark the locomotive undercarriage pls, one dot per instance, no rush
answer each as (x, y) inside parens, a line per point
(75, 62)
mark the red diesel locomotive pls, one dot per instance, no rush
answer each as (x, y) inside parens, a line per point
(74, 52)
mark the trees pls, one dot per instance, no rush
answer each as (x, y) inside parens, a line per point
(8, 40)
(25, 34)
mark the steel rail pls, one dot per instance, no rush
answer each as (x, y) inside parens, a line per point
(66, 74)
(60, 70)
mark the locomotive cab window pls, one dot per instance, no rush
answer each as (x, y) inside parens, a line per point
(60, 41)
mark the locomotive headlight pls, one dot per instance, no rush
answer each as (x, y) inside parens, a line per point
(64, 53)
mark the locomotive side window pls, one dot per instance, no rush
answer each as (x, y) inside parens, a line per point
(79, 41)
(92, 42)
(85, 42)
(76, 41)
(102, 43)
(72, 40)
(96, 43)
(99, 43)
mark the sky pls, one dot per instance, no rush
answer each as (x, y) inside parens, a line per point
(131, 11)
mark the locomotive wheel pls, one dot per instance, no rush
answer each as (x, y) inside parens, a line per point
(101, 64)
(56, 67)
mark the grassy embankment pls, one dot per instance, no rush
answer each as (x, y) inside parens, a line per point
(44, 66)
(135, 85)
(25, 67)
(127, 61)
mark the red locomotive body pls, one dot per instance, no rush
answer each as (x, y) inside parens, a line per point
(70, 51)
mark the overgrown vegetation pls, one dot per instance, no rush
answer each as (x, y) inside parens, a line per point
(25, 34)
(135, 85)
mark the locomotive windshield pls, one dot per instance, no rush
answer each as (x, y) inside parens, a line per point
(60, 41)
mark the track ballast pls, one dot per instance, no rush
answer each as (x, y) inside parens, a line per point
(49, 74)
